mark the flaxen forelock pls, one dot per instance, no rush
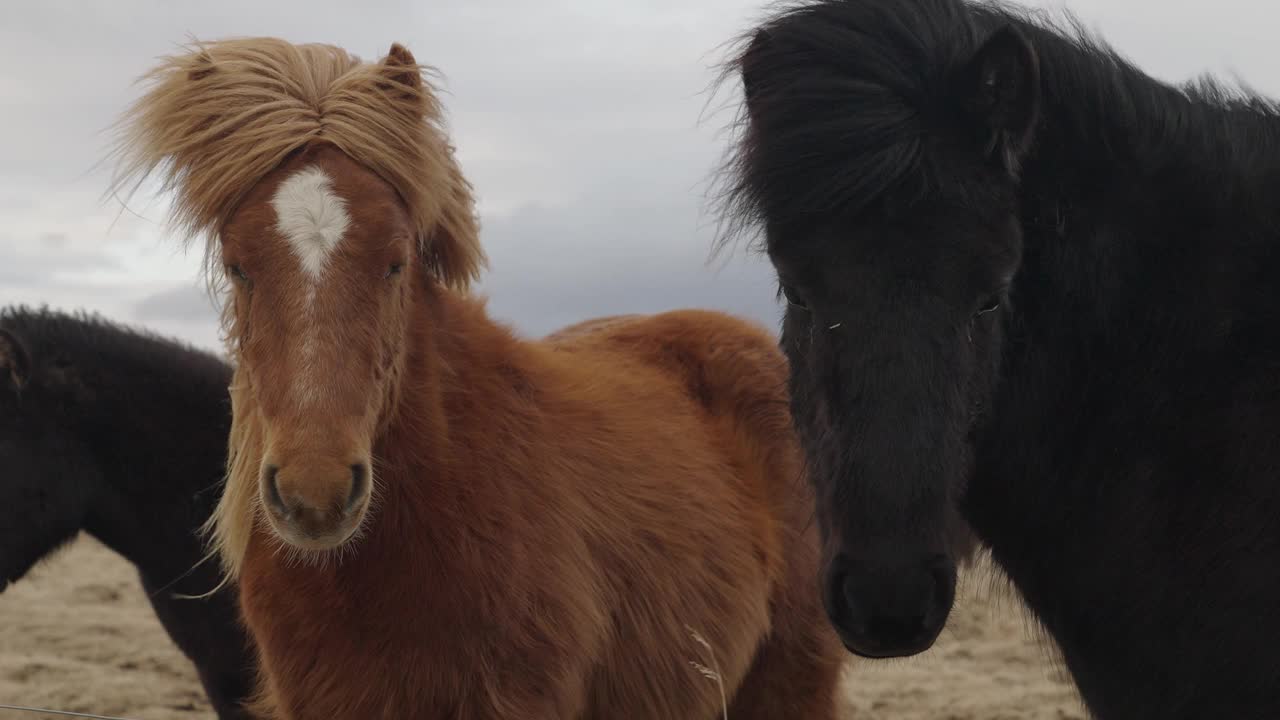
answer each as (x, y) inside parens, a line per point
(220, 116)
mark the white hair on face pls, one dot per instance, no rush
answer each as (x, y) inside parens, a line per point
(311, 217)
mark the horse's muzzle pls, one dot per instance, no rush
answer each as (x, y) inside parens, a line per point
(313, 507)
(890, 612)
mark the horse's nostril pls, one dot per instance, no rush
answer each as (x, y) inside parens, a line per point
(273, 490)
(359, 486)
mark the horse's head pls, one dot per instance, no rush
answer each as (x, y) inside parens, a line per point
(47, 474)
(321, 259)
(335, 202)
(880, 156)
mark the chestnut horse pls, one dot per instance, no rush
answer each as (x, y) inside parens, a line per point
(427, 516)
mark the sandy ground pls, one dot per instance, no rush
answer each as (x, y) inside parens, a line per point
(78, 635)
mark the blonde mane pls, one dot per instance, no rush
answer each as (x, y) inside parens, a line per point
(220, 117)
(231, 524)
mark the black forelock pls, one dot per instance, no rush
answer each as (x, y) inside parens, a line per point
(842, 98)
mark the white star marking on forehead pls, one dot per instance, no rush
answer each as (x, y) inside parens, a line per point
(311, 217)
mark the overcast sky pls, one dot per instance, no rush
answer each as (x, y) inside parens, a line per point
(585, 125)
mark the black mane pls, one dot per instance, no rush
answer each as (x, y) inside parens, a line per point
(893, 60)
(50, 334)
(127, 368)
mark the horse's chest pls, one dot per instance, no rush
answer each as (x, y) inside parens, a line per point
(367, 639)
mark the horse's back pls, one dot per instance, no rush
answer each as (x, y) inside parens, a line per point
(725, 363)
(729, 368)
(588, 327)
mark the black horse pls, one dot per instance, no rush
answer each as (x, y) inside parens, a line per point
(122, 435)
(1035, 291)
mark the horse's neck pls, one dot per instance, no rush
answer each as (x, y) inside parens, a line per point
(161, 452)
(1140, 263)
(1131, 185)
(451, 388)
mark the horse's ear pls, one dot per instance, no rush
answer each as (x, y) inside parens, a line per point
(15, 364)
(751, 66)
(403, 68)
(1001, 91)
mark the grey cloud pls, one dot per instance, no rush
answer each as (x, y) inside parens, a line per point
(578, 122)
(554, 266)
(185, 303)
(45, 268)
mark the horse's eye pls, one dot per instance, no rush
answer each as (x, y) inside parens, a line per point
(394, 269)
(794, 298)
(989, 305)
(236, 273)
